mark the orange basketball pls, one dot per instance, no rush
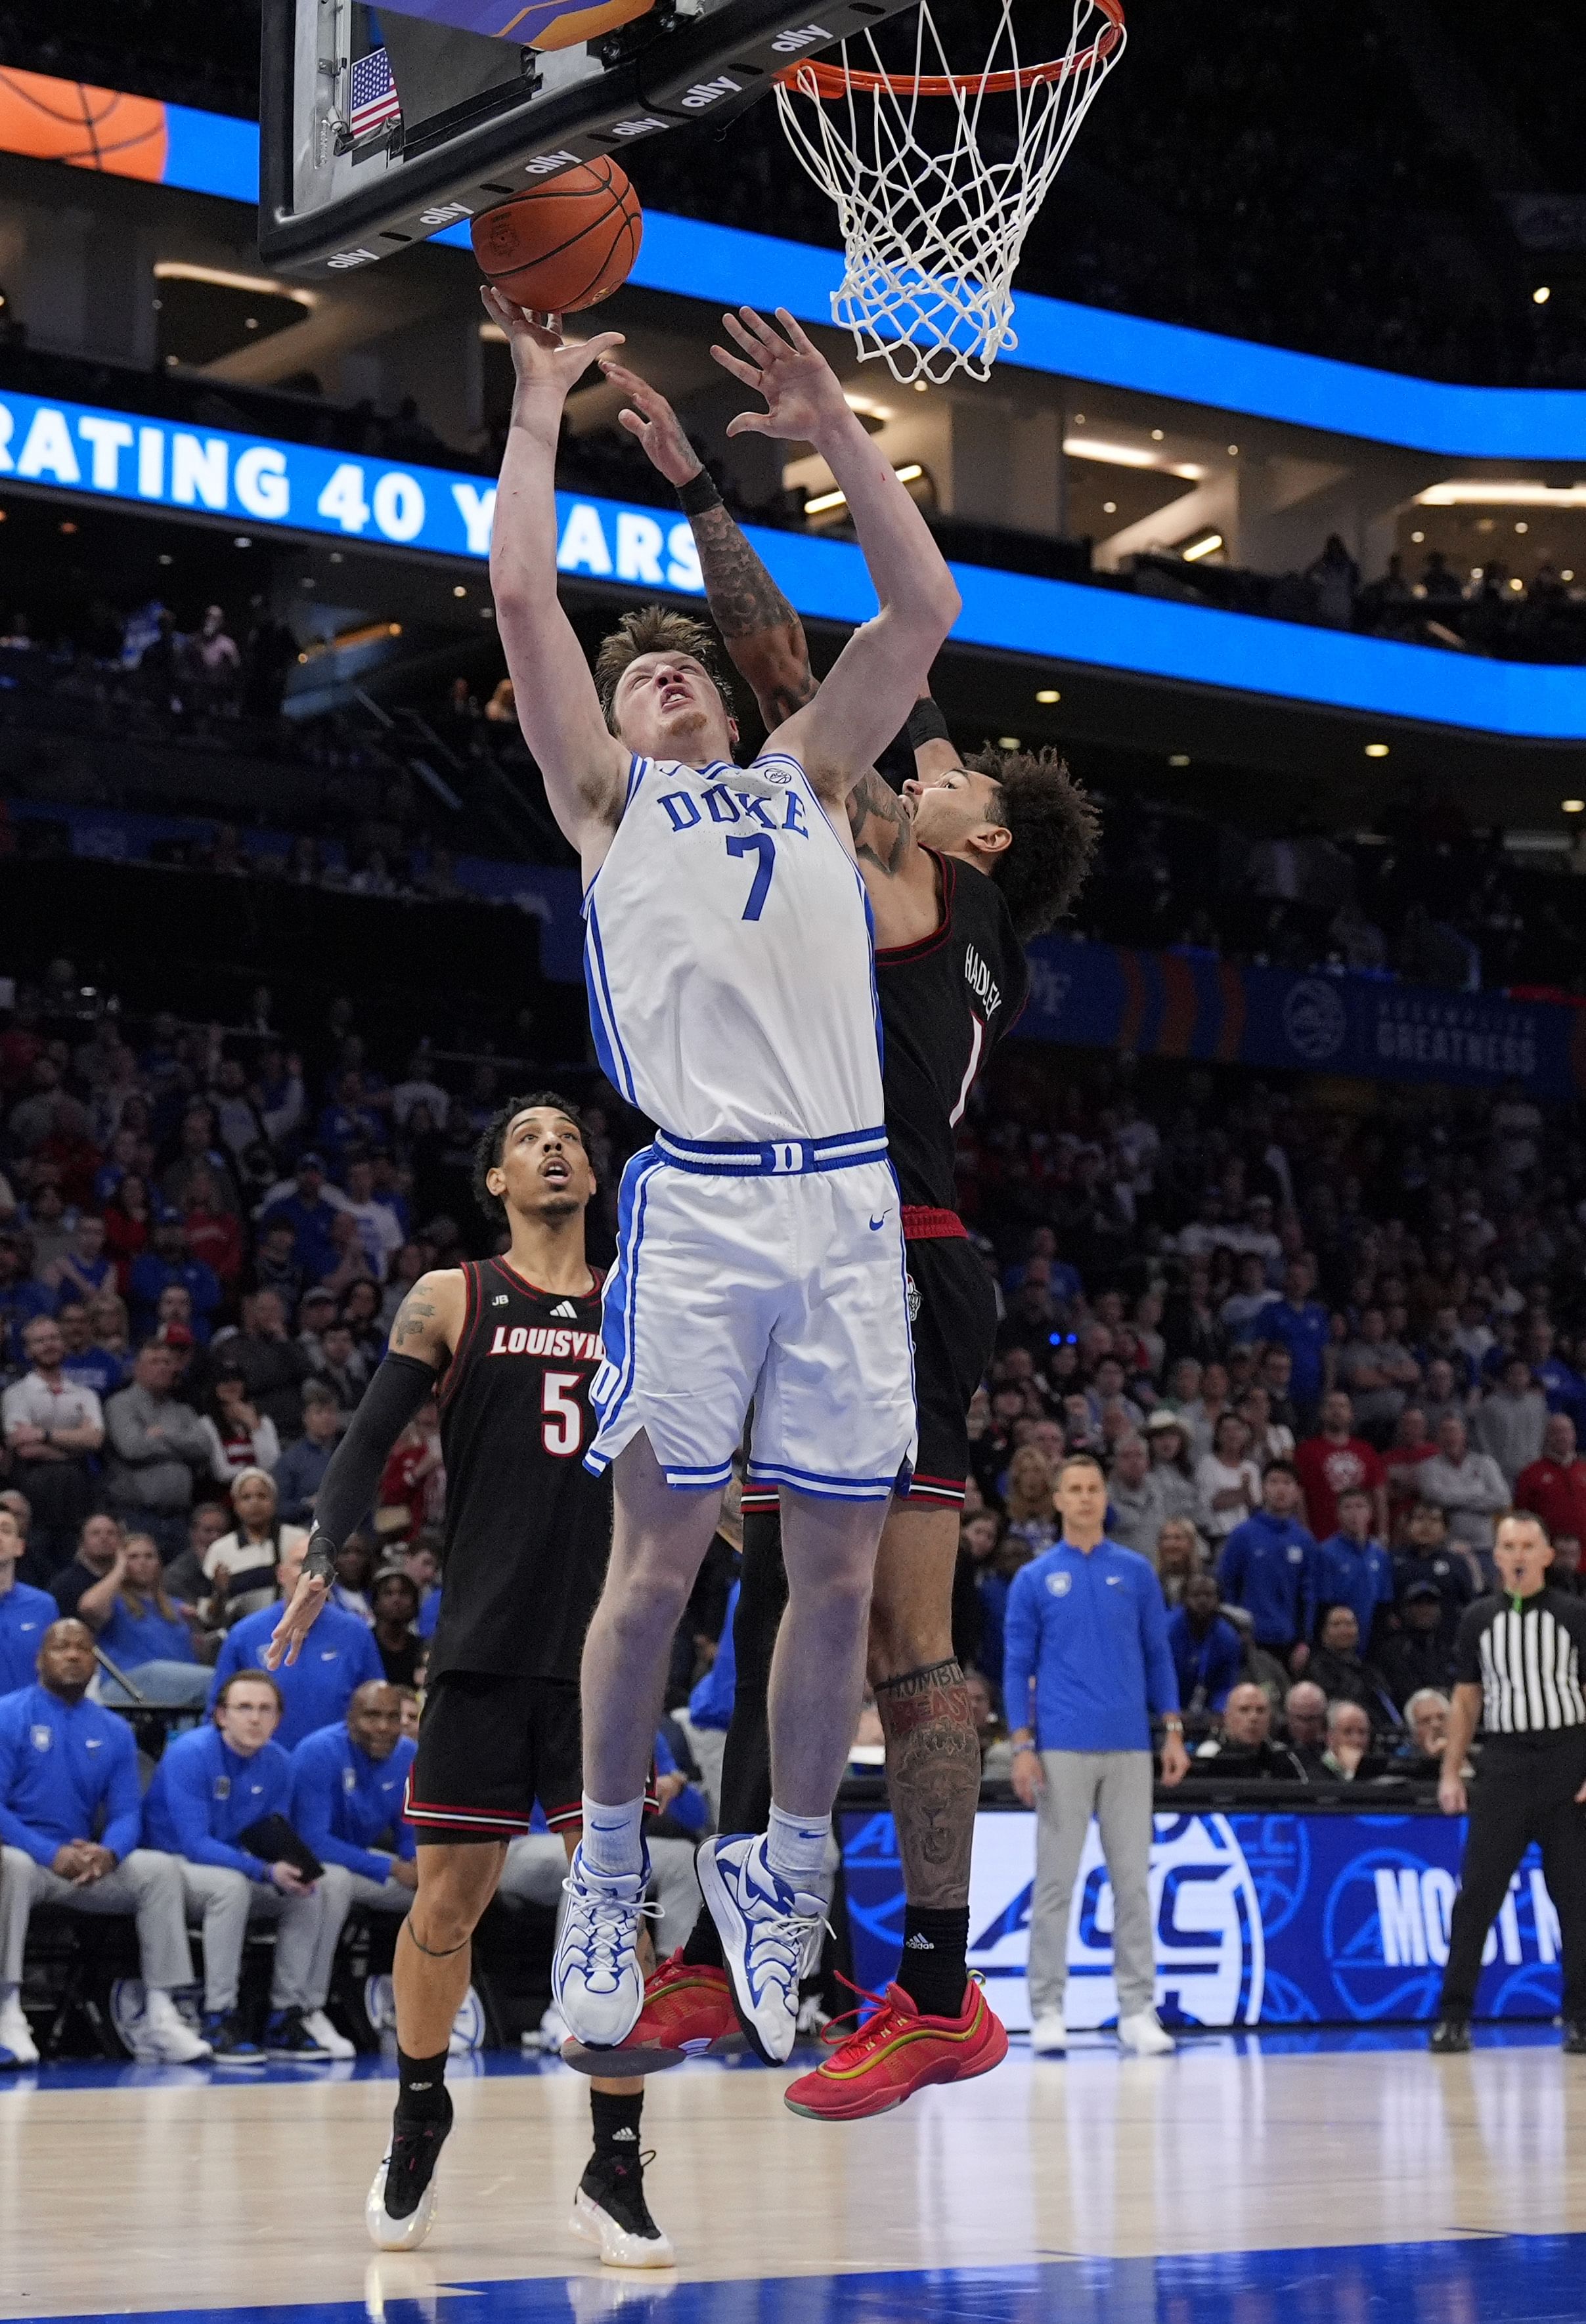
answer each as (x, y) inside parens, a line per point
(560, 247)
(92, 128)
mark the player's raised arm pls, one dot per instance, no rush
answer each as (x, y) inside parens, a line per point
(427, 1326)
(884, 668)
(585, 767)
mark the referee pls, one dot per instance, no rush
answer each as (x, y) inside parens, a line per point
(1517, 1667)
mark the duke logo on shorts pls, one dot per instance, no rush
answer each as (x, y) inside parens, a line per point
(730, 965)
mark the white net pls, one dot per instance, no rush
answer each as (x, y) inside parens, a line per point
(937, 174)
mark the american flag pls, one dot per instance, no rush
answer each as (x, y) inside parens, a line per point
(374, 96)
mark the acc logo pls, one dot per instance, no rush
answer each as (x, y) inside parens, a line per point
(41, 1738)
(1059, 1584)
(1296, 1555)
(1313, 1019)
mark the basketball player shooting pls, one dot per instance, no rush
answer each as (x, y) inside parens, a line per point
(760, 1249)
(516, 1342)
(962, 863)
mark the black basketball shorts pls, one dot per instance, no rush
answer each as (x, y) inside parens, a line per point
(489, 1747)
(953, 1309)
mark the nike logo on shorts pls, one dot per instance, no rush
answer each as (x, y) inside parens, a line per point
(877, 1224)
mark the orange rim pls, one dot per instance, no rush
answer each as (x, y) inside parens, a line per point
(837, 80)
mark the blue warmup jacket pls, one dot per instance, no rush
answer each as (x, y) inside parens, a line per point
(25, 1614)
(1304, 1332)
(204, 1794)
(344, 1803)
(711, 1703)
(1268, 1566)
(690, 1811)
(1360, 1577)
(1088, 1632)
(337, 1656)
(1214, 1664)
(428, 1615)
(68, 1770)
(130, 1639)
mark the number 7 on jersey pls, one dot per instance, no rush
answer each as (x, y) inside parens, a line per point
(761, 845)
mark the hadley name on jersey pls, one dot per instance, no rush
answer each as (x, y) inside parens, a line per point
(728, 957)
(528, 1530)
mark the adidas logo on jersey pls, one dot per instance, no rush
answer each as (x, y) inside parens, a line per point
(566, 1307)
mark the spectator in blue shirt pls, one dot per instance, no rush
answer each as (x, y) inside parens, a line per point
(1087, 1667)
(1208, 1653)
(300, 1471)
(334, 1663)
(85, 1363)
(70, 1816)
(25, 1613)
(1353, 1570)
(1564, 1389)
(348, 1785)
(170, 1262)
(211, 1787)
(147, 1634)
(1302, 1325)
(1267, 1564)
(310, 1217)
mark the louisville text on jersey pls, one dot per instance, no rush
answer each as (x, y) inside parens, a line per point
(540, 1340)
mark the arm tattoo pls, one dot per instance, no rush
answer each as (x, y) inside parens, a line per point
(414, 1317)
(741, 594)
(933, 1779)
(882, 832)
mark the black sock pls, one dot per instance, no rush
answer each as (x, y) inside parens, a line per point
(704, 1947)
(932, 1970)
(422, 2095)
(616, 2126)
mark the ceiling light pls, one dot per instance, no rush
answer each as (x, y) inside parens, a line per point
(1541, 295)
(1120, 456)
(922, 387)
(1573, 807)
(1233, 451)
(1008, 743)
(1516, 582)
(1522, 527)
(165, 560)
(1417, 536)
(823, 501)
(179, 270)
(910, 473)
(241, 541)
(1500, 491)
(459, 591)
(866, 406)
(1202, 548)
(336, 558)
(1049, 694)
(1079, 419)
(68, 526)
(1179, 759)
(1156, 435)
(1376, 750)
(1568, 574)
(1108, 508)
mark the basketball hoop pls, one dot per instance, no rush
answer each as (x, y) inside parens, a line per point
(936, 181)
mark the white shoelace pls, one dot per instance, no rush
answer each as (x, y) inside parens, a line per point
(601, 1927)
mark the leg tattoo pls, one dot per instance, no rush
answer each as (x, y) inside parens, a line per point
(933, 1778)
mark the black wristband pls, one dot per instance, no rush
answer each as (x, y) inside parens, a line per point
(320, 1558)
(698, 495)
(926, 724)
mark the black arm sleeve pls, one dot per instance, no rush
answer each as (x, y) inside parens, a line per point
(400, 1388)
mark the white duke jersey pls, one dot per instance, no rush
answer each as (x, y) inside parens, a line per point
(729, 958)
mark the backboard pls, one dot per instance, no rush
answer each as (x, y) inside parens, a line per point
(381, 127)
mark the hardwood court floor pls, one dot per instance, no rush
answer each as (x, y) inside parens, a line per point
(180, 2190)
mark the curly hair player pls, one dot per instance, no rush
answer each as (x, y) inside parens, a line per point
(970, 860)
(759, 1249)
(528, 1534)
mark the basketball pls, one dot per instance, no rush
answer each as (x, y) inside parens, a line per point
(90, 128)
(564, 246)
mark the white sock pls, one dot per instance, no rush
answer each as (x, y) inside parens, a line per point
(795, 1846)
(611, 1844)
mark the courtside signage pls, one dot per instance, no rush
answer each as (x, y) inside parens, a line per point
(264, 482)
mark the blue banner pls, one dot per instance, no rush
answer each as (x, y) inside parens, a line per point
(1189, 1005)
(1259, 1920)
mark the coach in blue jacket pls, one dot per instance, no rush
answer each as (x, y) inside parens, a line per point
(315, 1689)
(349, 1783)
(1086, 1667)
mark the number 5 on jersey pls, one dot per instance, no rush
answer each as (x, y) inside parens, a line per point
(763, 847)
(562, 1427)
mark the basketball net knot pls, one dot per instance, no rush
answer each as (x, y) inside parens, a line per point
(935, 175)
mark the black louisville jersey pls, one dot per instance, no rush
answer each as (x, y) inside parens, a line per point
(1526, 1656)
(946, 1001)
(527, 1529)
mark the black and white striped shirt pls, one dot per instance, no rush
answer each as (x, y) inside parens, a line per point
(1526, 1656)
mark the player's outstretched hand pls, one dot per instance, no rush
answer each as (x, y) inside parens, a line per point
(541, 357)
(655, 423)
(801, 389)
(286, 1640)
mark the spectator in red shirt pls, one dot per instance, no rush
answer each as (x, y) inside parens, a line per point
(1554, 1488)
(129, 1221)
(1412, 1444)
(214, 1234)
(414, 1478)
(1333, 1460)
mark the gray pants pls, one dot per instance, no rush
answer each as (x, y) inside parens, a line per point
(537, 1866)
(1115, 1786)
(144, 1884)
(342, 1889)
(709, 1746)
(224, 1902)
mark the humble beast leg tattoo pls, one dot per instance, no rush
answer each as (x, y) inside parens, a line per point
(934, 1779)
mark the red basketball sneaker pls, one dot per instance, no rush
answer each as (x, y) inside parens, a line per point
(896, 2052)
(687, 2013)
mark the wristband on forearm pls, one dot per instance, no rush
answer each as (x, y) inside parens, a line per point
(698, 495)
(926, 724)
(320, 1558)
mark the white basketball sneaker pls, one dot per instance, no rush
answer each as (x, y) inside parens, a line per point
(764, 1924)
(1049, 2037)
(335, 2044)
(17, 2045)
(164, 2037)
(596, 1979)
(1143, 2035)
(400, 2204)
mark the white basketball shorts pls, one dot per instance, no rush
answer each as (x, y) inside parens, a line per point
(786, 1288)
